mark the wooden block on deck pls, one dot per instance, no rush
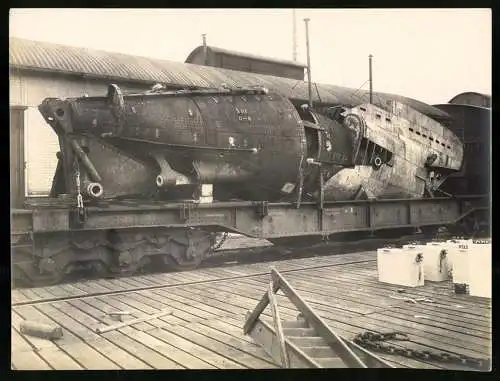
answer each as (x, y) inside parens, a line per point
(44, 331)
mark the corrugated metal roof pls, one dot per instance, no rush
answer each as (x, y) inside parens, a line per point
(215, 50)
(43, 56)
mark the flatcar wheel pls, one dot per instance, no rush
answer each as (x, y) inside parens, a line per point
(26, 274)
(48, 279)
(183, 265)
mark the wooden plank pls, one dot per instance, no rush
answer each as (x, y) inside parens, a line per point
(103, 345)
(383, 304)
(179, 316)
(369, 276)
(144, 281)
(388, 324)
(145, 297)
(106, 283)
(133, 283)
(71, 290)
(363, 281)
(236, 341)
(224, 303)
(255, 290)
(402, 324)
(18, 343)
(194, 349)
(57, 291)
(29, 294)
(47, 349)
(189, 312)
(222, 349)
(198, 311)
(185, 359)
(341, 305)
(361, 288)
(43, 293)
(17, 297)
(348, 292)
(107, 303)
(143, 354)
(151, 357)
(27, 360)
(243, 307)
(423, 308)
(90, 287)
(79, 348)
(249, 305)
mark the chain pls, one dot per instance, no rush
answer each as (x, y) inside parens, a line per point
(374, 341)
(79, 198)
(221, 242)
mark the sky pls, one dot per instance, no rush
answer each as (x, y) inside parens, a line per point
(427, 54)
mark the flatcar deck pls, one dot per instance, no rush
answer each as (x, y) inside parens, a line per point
(208, 309)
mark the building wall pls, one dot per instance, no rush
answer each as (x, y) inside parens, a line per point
(40, 142)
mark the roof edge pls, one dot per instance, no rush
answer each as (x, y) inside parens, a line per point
(216, 50)
(470, 92)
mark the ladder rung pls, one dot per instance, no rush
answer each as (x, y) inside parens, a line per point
(331, 362)
(299, 332)
(322, 351)
(303, 342)
(294, 324)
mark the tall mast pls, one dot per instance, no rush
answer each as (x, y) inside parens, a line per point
(306, 21)
(294, 31)
(370, 78)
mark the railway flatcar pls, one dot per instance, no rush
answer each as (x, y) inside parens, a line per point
(135, 171)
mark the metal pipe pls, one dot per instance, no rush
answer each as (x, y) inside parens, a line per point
(94, 175)
(94, 190)
(370, 77)
(306, 21)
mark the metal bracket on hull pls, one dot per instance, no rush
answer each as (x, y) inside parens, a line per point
(321, 347)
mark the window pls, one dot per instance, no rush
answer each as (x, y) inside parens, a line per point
(443, 144)
(411, 129)
(378, 116)
(424, 135)
(431, 138)
(362, 109)
(418, 132)
(387, 120)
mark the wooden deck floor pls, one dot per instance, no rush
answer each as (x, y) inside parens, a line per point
(205, 329)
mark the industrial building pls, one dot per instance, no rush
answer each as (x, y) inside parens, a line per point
(39, 70)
